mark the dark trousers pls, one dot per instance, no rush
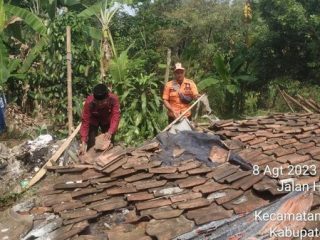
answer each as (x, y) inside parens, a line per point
(2, 120)
(93, 132)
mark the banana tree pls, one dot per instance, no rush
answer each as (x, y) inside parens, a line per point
(104, 11)
(227, 84)
(9, 15)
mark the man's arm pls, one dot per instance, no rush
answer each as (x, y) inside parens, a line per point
(115, 117)
(84, 130)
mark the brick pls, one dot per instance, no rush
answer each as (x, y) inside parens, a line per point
(152, 204)
(191, 181)
(140, 196)
(194, 203)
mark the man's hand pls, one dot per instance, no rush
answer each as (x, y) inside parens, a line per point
(83, 148)
(107, 136)
(176, 114)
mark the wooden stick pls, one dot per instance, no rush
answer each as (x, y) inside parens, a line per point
(308, 103)
(166, 76)
(54, 158)
(69, 81)
(286, 100)
(182, 114)
(296, 102)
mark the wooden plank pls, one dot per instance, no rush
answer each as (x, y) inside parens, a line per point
(54, 158)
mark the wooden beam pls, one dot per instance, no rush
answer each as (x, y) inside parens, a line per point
(297, 103)
(54, 158)
(182, 114)
(286, 100)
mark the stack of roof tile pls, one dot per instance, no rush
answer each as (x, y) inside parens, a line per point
(167, 201)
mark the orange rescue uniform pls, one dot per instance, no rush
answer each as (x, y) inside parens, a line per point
(170, 93)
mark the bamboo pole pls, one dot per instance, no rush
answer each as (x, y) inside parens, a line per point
(182, 114)
(54, 158)
(286, 100)
(306, 102)
(69, 81)
(296, 102)
(166, 76)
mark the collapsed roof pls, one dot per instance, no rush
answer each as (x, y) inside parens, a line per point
(166, 191)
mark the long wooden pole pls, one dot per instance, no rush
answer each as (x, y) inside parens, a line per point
(182, 114)
(296, 102)
(286, 100)
(69, 81)
(54, 158)
(166, 76)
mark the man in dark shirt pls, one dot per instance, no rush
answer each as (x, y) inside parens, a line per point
(101, 109)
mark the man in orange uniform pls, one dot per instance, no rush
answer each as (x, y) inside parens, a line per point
(179, 93)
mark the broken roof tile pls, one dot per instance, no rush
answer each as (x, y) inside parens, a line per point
(71, 185)
(227, 171)
(218, 154)
(95, 197)
(167, 190)
(85, 191)
(257, 141)
(279, 152)
(51, 200)
(293, 158)
(147, 166)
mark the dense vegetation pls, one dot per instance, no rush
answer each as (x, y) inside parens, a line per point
(237, 51)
